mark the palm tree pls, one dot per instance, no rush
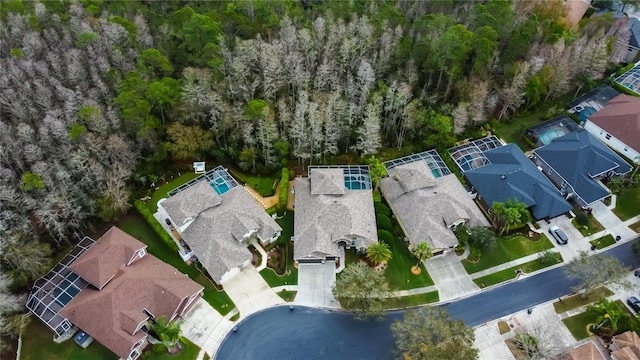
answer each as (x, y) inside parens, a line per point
(169, 333)
(379, 252)
(511, 212)
(609, 312)
(423, 252)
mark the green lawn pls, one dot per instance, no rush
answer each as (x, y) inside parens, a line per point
(507, 250)
(592, 227)
(38, 344)
(577, 325)
(603, 242)
(627, 203)
(274, 279)
(265, 185)
(510, 273)
(576, 301)
(287, 295)
(398, 272)
(411, 300)
(189, 351)
(135, 225)
(163, 191)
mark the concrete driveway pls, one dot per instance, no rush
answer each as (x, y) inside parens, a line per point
(450, 277)
(250, 292)
(205, 327)
(314, 284)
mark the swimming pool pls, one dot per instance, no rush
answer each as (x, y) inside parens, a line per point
(359, 182)
(546, 137)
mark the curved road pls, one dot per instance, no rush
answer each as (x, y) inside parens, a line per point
(307, 333)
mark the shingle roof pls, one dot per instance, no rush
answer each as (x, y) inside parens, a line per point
(621, 118)
(327, 181)
(512, 175)
(111, 315)
(427, 211)
(628, 344)
(587, 351)
(322, 220)
(190, 204)
(579, 157)
(216, 233)
(414, 176)
(104, 259)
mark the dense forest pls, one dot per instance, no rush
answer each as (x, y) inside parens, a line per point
(98, 97)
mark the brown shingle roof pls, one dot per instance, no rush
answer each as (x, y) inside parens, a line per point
(621, 118)
(100, 263)
(587, 351)
(111, 315)
(628, 344)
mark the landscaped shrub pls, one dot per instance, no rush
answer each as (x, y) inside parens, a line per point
(155, 225)
(386, 236)
(462, 234)
(284, 190)
(382, 209)
(159, 348)
(582, 218)
(383, 222)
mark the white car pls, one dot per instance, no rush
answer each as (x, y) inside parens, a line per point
(559, 235)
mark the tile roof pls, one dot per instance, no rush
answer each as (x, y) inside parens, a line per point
(621, 118)
(216, 233)
(104, 259)
(579, 157)
(428, 208)
(324, 219)
(112, 314)
(512, 175)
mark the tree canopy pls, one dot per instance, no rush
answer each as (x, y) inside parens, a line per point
(361, 288)
(596, 270)
(430, 333)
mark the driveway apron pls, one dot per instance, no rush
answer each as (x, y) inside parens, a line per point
(250, 292)
(450, 277)
(314, 284)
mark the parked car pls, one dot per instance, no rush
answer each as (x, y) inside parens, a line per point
(633, 303)
(559, 235)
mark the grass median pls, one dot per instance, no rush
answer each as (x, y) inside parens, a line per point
(510, 273)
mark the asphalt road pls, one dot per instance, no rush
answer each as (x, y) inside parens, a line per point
(306, 333)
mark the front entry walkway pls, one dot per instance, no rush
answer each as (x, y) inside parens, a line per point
(450, 277)
(314, 284)
(250, 292)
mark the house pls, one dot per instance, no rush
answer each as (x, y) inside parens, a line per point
(334, 211)
(429, 208)
(217, 219)
(626, 30)
(576, 10)
(618, 125)
(505, 172)
(586, 351)
(576, 163)
(625, 346)
(110, 289)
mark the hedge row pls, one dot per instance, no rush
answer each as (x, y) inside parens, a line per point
(382, 209)
(284, 190)
(386, 236)
(155, 225)
(384, 223)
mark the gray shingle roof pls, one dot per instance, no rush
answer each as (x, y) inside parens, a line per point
(322, 220)
(512, 175)
(199, 198)
(578, 157)
(426, 212)
(216, 233)
(327, 181)
(414, 176)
